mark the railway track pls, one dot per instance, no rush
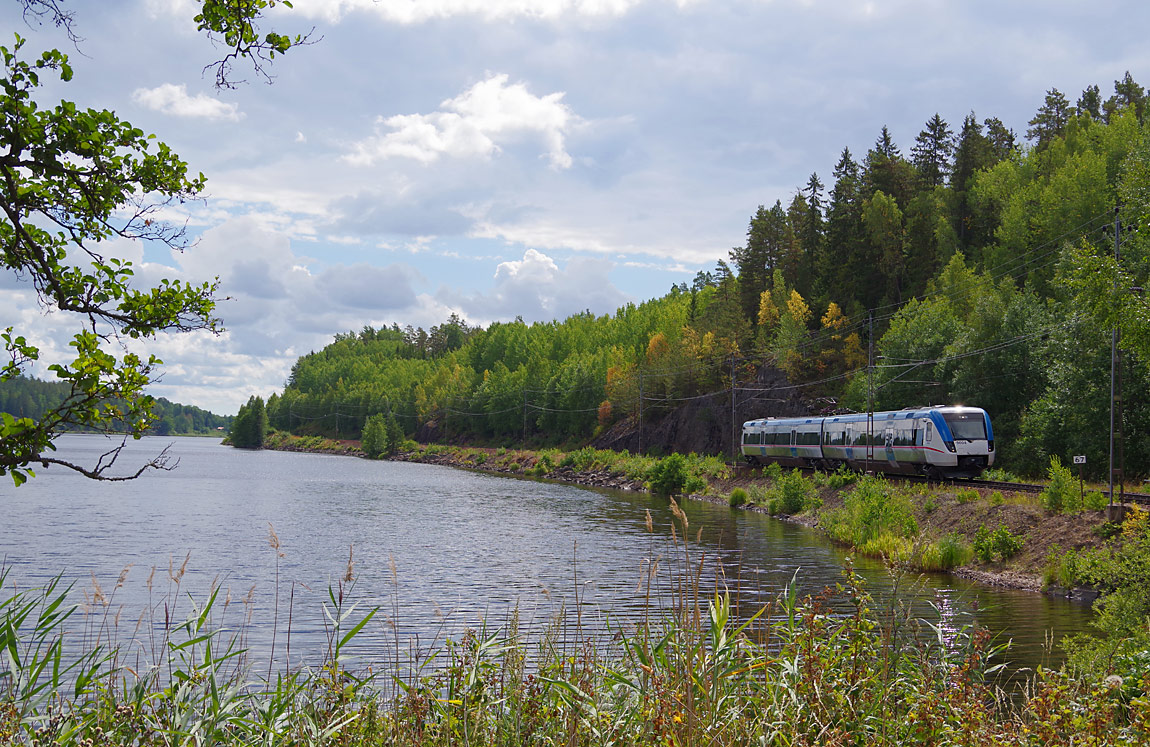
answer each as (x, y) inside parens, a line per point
(1141, 499)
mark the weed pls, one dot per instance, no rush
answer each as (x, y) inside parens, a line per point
(967, 495)
(1094, 501)
(842, 477)
(737, 498)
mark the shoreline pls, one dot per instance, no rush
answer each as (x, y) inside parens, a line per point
(523, 464)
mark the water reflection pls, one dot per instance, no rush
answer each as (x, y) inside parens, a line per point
(436, 550)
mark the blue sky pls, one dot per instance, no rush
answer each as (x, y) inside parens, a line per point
(495, 158)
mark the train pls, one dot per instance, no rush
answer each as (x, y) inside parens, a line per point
(937, 442)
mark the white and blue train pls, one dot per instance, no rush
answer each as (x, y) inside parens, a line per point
(932, 441)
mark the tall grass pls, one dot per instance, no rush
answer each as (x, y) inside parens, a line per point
(834, 668)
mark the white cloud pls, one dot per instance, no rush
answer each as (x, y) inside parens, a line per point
(474, 124)
(419, 11)
(175, 101)
(538, 289)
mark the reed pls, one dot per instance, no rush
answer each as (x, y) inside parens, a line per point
(838, 667)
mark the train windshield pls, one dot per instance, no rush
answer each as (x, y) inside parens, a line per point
(966, 426)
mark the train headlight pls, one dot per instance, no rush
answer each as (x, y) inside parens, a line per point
(949, 446)
(990, 446)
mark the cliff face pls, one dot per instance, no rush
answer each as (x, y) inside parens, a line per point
(705, 425)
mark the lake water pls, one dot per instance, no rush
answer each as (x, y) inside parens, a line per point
(436, 549)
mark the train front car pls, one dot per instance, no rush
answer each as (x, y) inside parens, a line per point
(966, 439)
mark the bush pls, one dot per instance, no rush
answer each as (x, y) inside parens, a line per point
(1094, 501)
(737, 498)
(1001, 543)
(794, 492)
(997, 498)
(1061, 494)
(773, 471)
(374, 438)
(668, 475)
(695, 485)
(842, 477)
(999, 475)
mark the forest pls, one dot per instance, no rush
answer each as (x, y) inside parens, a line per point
(979, 267)
(28, 397)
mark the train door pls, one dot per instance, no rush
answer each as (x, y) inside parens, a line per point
(888, 444)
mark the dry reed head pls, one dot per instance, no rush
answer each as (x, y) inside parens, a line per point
(350, 573)
(391, 566)
(177, 575)
(274, 540)
(650, 523)
(679, 514)
(150, 577)
(97, 593)
(124, 575)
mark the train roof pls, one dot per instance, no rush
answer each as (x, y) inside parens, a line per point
(907, 414)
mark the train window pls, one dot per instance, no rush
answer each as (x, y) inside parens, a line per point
(929, 431)
(967, 426)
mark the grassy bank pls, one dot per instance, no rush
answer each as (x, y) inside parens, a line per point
(835, 668)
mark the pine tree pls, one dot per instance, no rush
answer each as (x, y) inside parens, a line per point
(1090, 103)
(811, 235)
(932, 151)
(1001, 138)
(888, 171)
(1127, 93)
(1051, 119)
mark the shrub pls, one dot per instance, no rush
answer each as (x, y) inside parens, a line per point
(695, 485)
(668, 475)
(737, 498)
(999, 475)
(794, 491)
(773, 471)
(842, 477)
(1061, 494)
(1001, 543)
(1094, 501)
(997, 498)
(374, 438)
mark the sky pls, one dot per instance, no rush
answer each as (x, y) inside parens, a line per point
(531, 158)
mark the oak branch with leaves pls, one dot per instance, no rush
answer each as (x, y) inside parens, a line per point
(71, 180)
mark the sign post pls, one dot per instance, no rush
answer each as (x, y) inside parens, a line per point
(1080, 459)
